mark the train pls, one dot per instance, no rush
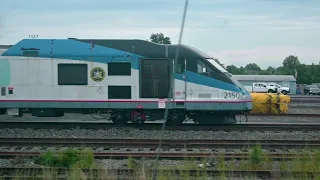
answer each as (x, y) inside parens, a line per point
(127, 78)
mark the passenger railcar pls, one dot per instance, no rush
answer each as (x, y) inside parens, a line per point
(129, 78)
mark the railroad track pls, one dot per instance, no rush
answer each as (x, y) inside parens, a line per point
(168, 155)
(126, 173)
(286, 115)
(304, 96)
(157, 126)
(153, 143)
(305, 100)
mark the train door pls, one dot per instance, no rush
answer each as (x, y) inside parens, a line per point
(155, 74)
(180, 83)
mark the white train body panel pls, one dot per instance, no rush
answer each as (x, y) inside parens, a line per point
(32, 82)
(35, 79)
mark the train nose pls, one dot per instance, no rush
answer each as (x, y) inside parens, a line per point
(246, 96)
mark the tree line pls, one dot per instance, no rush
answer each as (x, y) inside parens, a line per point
(304, 73)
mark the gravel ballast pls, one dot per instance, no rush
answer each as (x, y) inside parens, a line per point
(131, 133)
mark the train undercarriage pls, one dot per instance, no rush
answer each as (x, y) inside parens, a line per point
(136, 116)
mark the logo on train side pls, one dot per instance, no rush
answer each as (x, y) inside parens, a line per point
(97, 74)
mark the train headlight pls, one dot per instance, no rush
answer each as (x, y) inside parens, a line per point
(243, 95)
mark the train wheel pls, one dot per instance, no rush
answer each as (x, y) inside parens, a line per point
(119, 118)
(137, 117)
(176, 119)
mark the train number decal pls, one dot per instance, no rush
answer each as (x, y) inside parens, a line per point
(231, 95)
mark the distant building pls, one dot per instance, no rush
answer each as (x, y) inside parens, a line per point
(282, 80)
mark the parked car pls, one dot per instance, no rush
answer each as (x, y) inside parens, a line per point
(311, 89)
(269, 88)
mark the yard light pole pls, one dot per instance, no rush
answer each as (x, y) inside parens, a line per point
(33, 36)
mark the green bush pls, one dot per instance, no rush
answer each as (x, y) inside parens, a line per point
(68, 158)
(255, 155)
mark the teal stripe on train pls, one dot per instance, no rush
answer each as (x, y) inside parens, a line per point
(4, 73)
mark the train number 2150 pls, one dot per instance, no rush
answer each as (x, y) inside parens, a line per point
(231, 95)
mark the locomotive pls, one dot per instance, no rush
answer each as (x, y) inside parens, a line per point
(130, 79)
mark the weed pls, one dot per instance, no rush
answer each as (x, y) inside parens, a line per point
(222, 165)
(255, 156)
(68, 158)
(75, 160)
(48, 159)
(85, 159)
(131, 163)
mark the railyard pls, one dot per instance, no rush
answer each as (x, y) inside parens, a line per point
(282, 143)
(107, 103)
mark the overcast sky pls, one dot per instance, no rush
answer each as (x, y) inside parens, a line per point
(234, 31)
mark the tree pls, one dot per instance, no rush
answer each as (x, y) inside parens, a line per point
(159, 38)
(252, 66)
(291, 61)
(307, 74)
(234, 70)
(271, 70)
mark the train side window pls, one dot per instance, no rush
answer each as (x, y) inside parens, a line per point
(180, 66)
(119, 69)
(204, 69)
(72, 74)
(30, 53)
(119, 92)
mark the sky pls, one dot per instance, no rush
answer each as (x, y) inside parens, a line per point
(237, 32)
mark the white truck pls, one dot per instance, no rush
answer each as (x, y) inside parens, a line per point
(267, 88)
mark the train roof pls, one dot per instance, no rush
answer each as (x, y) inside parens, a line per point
(132, 46)
(143, 47)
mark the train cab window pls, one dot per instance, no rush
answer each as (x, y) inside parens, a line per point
(203, 69)
(180, 66)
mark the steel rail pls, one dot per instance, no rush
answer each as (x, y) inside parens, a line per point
(156, 126)
(168, 155)
(179, 143)
(304, 97)
(285, 115)
(306, 100)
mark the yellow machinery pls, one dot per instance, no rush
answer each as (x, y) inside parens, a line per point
(269, 103)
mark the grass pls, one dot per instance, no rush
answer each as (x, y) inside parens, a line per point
(76, 164)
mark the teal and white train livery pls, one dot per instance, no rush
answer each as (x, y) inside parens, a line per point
(128, 78)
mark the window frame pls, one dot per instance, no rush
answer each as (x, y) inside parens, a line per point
(59, 65)
(117, 62)
(117, 86)
(208, 68)
(182, 69)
